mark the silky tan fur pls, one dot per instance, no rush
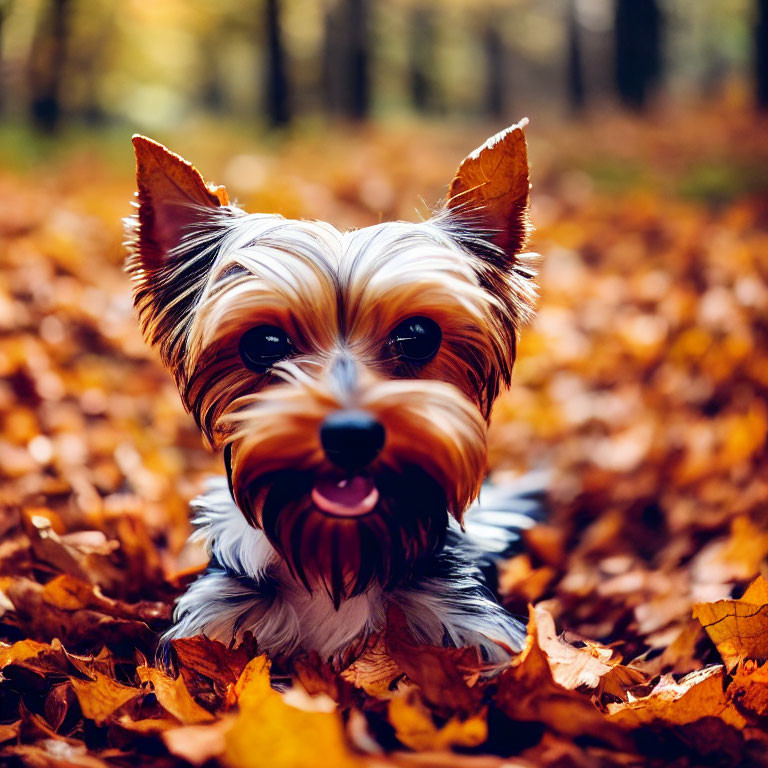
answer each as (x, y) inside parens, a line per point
(204, 272)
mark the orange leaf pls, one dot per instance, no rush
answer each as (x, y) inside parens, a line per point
(739, 628)
(699, 694)
(374, 671)
(100, 697)
(173, 696)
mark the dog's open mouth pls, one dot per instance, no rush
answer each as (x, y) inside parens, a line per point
(341, 532)
(348, 497)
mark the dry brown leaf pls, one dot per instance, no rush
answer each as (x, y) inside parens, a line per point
(749, 692)
(173, 696)
(100, 697)
(527, 692)
(375, 671)
(571, 667)
(21, 651)
(699, 694)
(441, 673)
(211, 659)
(739, 628)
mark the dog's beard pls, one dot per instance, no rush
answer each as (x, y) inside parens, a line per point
(344, 555)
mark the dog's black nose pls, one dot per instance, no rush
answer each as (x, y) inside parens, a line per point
(351, 439)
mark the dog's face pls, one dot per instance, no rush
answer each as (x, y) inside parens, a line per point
(348, 376)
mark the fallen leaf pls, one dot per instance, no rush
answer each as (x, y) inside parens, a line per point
(739, 628)
(527, 692)
(263, 720)
(699, 694)
(375, 671)
(173, 696)
(748, 691)
(197, 744)
(100, 697)
(571, 667)
(439, 672)
(415, 728)
(210, 659)
(21, 651)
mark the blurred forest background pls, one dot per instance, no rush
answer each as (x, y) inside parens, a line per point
(154, 65)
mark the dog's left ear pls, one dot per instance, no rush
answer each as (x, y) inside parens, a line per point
(487, 202)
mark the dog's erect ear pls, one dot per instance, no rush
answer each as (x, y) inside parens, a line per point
(488, 198)
(173, 198)
(172, 242)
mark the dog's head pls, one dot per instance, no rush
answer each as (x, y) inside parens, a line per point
(348, 376)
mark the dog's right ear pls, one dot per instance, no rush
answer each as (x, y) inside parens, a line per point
(173, 199)
(172, 241)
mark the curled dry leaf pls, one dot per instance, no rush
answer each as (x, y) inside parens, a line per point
(748, 692)
(527, 692)
(210, 659)
(698, 695)
(739, 628)
(100, 697)
(375, 671)
(173, 696)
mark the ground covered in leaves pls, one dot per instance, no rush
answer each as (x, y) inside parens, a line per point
(642, 385)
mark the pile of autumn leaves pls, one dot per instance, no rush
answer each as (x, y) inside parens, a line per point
(642, 386)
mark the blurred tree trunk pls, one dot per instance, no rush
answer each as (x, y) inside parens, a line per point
(575, 62)
(5, 10)
(761, 54)
(211, 91)
(638, 34)
(277, 88)
(332, 60)
(496, 70)
(47, 64)
(421, 59)
(358, 61)
(346, 59)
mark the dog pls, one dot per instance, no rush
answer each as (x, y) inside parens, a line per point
(348, 379)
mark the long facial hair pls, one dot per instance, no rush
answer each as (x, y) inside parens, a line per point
(338, 296)
(431, 465)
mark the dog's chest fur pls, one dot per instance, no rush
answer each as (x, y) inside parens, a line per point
(247, 588)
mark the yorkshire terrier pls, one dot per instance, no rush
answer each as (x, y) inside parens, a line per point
(348, 378)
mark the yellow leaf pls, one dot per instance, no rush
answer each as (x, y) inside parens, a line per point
(269, 732)
(20, 651)
(173, 696)
(415, 728)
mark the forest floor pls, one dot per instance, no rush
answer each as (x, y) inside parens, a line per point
(642, 385)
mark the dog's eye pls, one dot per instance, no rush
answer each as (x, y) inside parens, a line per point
(416, 340)
(263, 346)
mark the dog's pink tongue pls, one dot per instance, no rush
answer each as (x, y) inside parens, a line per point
(350, 497)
